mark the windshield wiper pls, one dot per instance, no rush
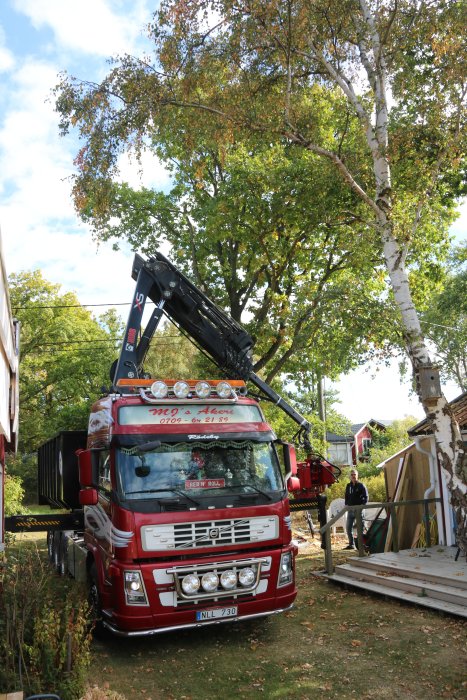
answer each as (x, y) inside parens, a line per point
(263, 493)
(177, 491)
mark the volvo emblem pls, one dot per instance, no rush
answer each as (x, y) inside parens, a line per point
(214, 533)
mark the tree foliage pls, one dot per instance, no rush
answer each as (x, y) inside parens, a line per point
(65, 356)
(445, 321)
(267, 230)
(13, 495)
(276, 71)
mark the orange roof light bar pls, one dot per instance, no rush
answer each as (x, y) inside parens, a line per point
(236, 383)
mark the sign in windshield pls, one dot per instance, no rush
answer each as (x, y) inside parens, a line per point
(195, 468)
(188, 414)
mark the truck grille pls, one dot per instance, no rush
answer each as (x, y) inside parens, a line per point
(210, 533)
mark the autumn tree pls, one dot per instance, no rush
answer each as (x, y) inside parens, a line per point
(238, 219)
(268, 70)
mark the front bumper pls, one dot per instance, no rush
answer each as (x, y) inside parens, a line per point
(160, 630)
(169, 610)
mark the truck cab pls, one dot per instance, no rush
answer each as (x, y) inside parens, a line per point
(186, 514)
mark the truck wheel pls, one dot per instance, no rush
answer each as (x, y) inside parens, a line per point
(62, 568)
(58, 561)
(50, 546)
(94, 600)
(56, 547)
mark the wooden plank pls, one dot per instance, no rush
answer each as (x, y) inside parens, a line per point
(416, 536)
(397, 490)
(403, 512)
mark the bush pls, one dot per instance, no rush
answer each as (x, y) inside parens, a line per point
(44, 639)
(24, 466)
(14, 494)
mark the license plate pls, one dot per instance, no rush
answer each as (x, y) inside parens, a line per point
(216, 613)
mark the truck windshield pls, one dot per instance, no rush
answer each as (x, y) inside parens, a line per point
(195, 469)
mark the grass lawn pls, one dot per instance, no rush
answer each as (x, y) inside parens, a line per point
(334, 644)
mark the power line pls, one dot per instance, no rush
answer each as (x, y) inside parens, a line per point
(99, 340)
(68, 306)
(53, 350)
(79, 342)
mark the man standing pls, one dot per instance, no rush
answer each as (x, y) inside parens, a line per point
(356, 494)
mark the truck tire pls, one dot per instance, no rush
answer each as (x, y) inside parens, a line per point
(62, 556)
(58, 561)
(94, 600)
(50, 546)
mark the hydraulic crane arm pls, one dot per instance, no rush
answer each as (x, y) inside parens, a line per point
(225, 341)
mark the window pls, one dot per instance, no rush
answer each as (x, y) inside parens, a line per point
(198, 468)
(338, 452)
(105, 484)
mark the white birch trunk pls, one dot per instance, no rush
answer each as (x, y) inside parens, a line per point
(451, 453)
(449, 446)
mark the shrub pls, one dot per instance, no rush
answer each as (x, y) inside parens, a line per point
(14, 494)
(24, 466)
(44, 639)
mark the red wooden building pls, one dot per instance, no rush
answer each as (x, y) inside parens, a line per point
(351, 449)
(9, 390)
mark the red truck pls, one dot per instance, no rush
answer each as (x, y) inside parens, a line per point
(182, 516)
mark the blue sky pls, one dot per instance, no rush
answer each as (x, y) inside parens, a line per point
(39, 227)
(38, 40)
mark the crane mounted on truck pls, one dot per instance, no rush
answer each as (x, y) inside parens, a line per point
(180, 515)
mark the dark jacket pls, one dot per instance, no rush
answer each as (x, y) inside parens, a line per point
(356, 494)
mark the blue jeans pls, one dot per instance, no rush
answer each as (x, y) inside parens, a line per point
(351, 518)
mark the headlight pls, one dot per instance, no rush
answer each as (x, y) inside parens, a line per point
(285, 570)
(202, 390)
(181, 389)
(209, 582)
(159, 389)
(224, 390)
(247, 577)
(228, 580)
(134, 588)
(190, 584)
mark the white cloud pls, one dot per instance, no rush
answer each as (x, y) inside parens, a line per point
(40, 228)
(7, 60)
(33, 159)
(378, 392)
(89, 26)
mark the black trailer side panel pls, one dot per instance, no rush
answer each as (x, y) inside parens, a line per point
(57, 465)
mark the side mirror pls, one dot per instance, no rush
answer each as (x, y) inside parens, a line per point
(88, 497)
(88, 467)
(293, 484)
(290, 460)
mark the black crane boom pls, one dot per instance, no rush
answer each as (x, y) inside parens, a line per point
(225, 341)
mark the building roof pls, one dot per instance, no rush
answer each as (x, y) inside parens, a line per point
(459, 408)
(332, 437)
(354, 429)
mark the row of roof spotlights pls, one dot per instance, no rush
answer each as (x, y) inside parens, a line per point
(182, 389)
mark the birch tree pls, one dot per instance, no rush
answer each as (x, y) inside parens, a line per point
(269, 69)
